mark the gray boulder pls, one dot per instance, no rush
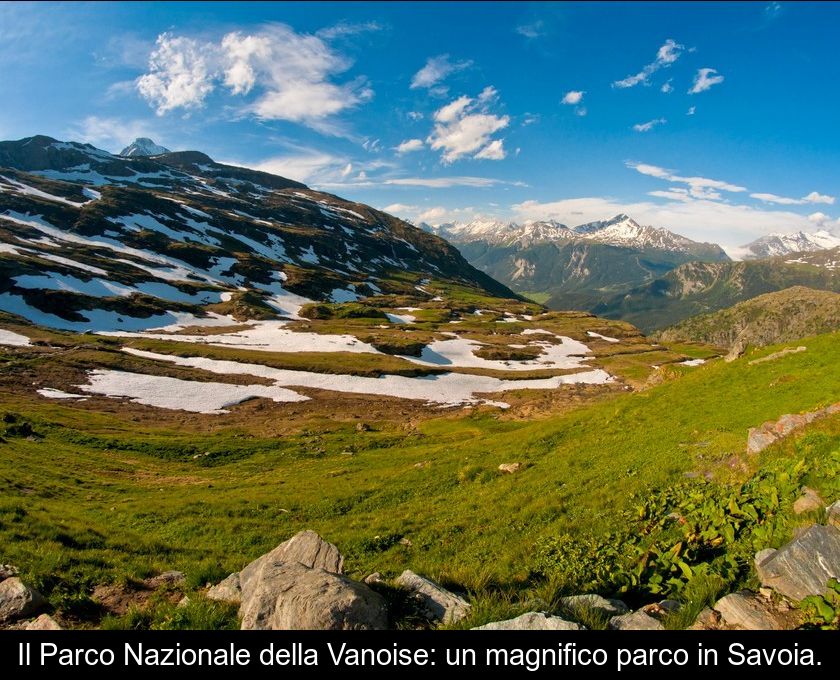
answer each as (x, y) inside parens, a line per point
(166, 580)
(594, 603)
(809, 501)
(291, 596)
(306, 548)
(43, 622)
(7, 571)
(18, 600)
(638, 620)
(803, 566)
(532, 621)
(227, 590)
(747, 611)
(832, 514)
(437, 603)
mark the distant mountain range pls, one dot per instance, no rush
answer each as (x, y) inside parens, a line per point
(703, 287)
(574, 267)
(89, 239)
(774, 245)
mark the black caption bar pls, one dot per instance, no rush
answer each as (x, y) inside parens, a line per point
(539, 652)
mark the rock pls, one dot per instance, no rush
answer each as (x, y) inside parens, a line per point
(746, 611)
(510, 468)
(809, 501)
(437, 602)
(759, 438)
(167, 578)
(638, 620)
(763, 555)
(291, 596)
(362, 427)
(659, 610)
(184, 602)
(593, 602)
(375, 577)
(43, 622)
(18, 600)
(832, 514)
(7, 571)
(227, 590)
(737, 349)
(532, 621)
(707, 619)
(306, 548)
(788, 423)
(803, 566)
(778, 355)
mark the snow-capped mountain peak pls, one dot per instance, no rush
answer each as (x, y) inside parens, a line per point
(143, 146)
(774, 245)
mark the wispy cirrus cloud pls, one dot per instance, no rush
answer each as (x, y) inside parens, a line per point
(697, 187)
(666, 55)
(436, 70)
(813, 197)
(649, 125)
(705, 79)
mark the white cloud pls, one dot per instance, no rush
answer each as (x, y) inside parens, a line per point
(698, 187)
(494, 151)
(415, 115)
(691, 110)
(409, 145)
(113, 134)
(666, 55)
(290, 74)
(465, 127)
(573, 97)
(531, 31)
(180, 74)
(437, 69)
(399, 208)
(432, 215)
(305, 165)
(447, 182)
(813, 197)
(345, 29)
(667, 88)
(704, 79)
(647, 127)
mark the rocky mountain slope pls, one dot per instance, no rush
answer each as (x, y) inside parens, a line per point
(774, 245)
(701, 288)
(574, 267)
(93, 240)
(783, 316)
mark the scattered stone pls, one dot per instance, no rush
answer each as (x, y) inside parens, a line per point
(638, 620)
(227, 590)
(779, 354)
(184, 602)
(375, 577)
(406, 542)
(809, 501)
(707, 619)
(759, 438)
(18, 600)
(43, 622)
(362, 427)
(437, 603)
(737, 349)
(423, 464)
(595, 603)
(659, 610)
(510, 468)
(167, 578)
(532, 621)
(789, 422)
(292, 596)
(747, 611)
(832, 513)
(803, 566)
(7, 571)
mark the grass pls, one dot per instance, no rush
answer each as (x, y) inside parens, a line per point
(98, 497)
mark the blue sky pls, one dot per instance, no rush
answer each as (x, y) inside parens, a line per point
(716, 120)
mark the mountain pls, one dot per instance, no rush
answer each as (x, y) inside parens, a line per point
(143, 146)
(704, 287)
(574, 267)
(93, 240)
(782, 316)
(774, 245)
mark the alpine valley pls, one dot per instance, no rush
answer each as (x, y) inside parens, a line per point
(203, 365)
